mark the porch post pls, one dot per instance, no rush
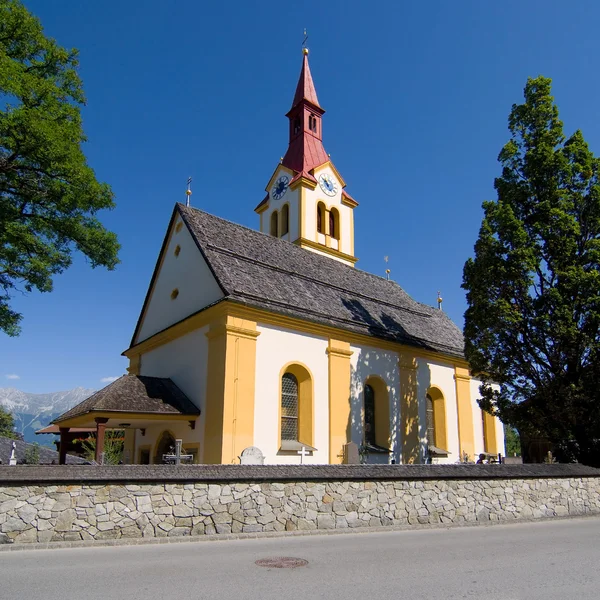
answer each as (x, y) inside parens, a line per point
(62, 448)
(100, 428)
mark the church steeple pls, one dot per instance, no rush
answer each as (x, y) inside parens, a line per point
(305, 151)
(306, 202)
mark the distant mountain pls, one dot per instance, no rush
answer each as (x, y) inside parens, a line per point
(34, 411)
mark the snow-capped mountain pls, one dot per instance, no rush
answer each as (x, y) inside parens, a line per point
(34, 411)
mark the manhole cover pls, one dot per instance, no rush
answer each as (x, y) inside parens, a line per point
(282, 562)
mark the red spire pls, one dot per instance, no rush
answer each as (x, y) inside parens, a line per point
(305, 90)
(305, 151)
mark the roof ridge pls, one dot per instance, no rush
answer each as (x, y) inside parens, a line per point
(313, 279)
(291, 244)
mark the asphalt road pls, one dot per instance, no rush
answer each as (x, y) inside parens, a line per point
(547, 560)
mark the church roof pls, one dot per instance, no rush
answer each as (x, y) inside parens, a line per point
(305, 90)
(135, 393)
(261, 271)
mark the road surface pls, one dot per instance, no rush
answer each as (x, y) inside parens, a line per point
(549, 560)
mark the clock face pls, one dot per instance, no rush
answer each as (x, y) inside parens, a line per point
(328, 184)
(280, 187)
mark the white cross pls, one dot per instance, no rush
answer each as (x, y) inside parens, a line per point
(304, 452)
(13, 458)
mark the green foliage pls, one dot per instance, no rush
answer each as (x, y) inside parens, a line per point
(533, 289)
(512, 441)
(113, 447)
(32, 454)
(49, 196)
(7, 424)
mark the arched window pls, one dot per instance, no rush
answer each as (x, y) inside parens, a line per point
(430, 422)
(369, 415)
(289, 407)
(296, 424)
(334, 223)
(274, 224)
(320, 218)
(312, 123)
(376, 414)
(297, 125)
(285, 219)
(436, 419)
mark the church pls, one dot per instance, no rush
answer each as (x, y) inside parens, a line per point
(273, 339)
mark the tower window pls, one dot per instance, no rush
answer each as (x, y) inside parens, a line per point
(297, 125)
(334, 224)
(312, 123)
(285, 219)
(320, 218)
(274, 224)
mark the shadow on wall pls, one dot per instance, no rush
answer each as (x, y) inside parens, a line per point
(405, 389)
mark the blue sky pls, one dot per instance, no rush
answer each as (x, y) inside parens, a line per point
(417, 97)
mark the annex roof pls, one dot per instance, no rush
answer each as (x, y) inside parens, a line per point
(261, 271)
(136, 393)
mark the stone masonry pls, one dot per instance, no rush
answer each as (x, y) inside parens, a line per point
(105, 510)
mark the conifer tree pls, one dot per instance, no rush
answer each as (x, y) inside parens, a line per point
(532, 325)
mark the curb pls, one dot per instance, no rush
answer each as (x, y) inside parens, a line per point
(274, 534)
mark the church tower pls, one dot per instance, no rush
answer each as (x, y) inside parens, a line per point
(306, 202)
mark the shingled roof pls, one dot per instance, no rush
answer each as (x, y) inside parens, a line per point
(261, 271)
(135, 393)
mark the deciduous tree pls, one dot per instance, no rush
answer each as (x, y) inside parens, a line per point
(49, 196)
(533, 288)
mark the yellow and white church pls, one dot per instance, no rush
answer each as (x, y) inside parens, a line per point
(274, 339)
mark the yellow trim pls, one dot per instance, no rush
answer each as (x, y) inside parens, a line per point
(177, 330)
(439, 417)
(204, 317)
(304, 243)
(329, 164)
(261, 209)
(351, 232)
(382, 410)
(139, 453)
(489, 433)
(306, 402)
(87, 420)
(135, 364)
(303, 181)
(466, 435)
(301, 211)
(339, 354)
(349, 202)
(276, 172)
(230, 386)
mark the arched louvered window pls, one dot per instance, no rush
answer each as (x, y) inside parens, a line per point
(285, 219)
(334, 223)
(321, 217)
(289, 407)
(274, 224)
(369, 415)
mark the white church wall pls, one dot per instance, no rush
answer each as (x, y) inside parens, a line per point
(185, 361)
(365, 362)
(441, 375)
(277, 347)
(189, 274)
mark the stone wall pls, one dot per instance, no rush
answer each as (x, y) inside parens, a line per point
(79, 510)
